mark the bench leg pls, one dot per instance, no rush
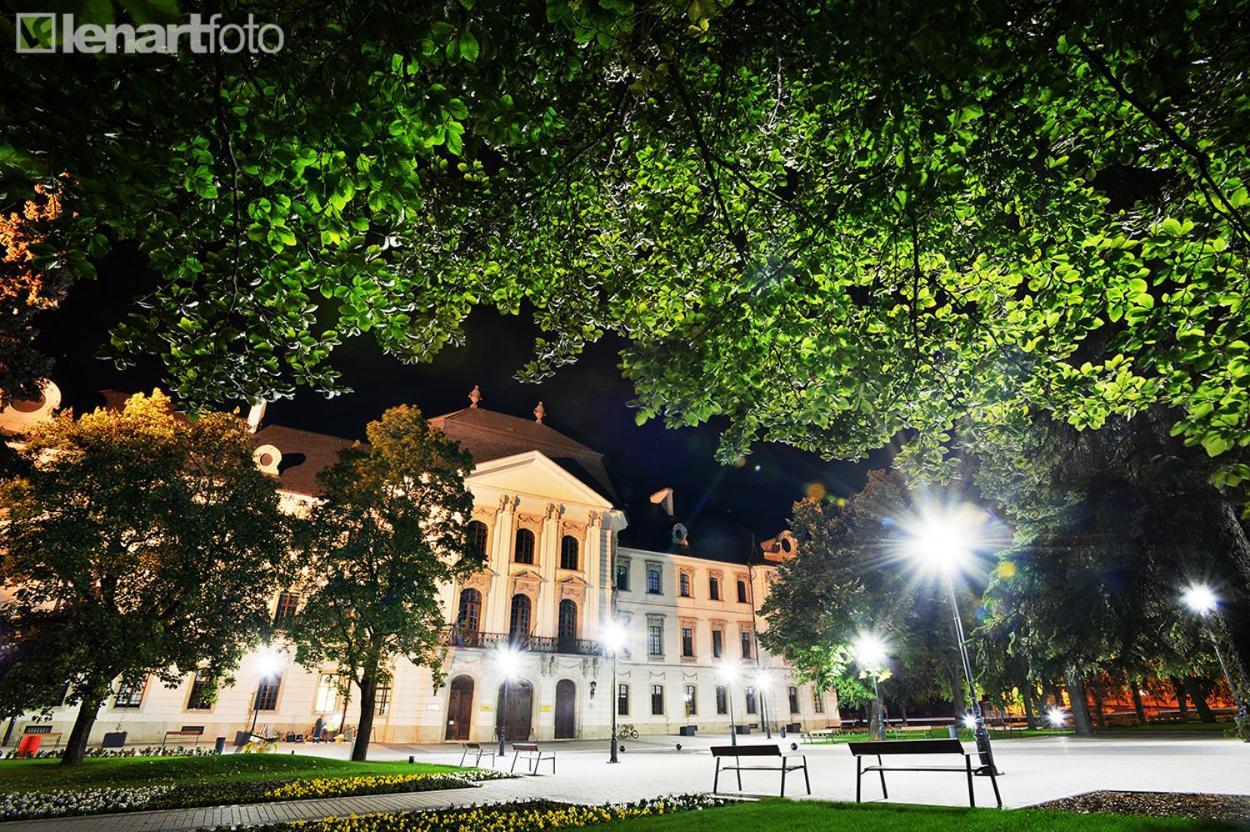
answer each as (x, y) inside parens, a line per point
(465, 755)
(972, 798)
(738, 771)
(716, 779)
(806, 779)
(884, 793)
(515, 755)
(784, 772)
(859, 779)
(994, 782)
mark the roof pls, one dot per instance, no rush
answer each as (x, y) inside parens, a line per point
(488, 434)
(304, 455)
(708, 535)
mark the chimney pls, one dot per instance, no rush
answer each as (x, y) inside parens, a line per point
(664, 499)
(256, 415)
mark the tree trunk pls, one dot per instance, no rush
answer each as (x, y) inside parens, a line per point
(1138, 705)
(1100, 715)
(1200, 699)
(902, 709)
(1182, 699)
(76, 745)
(368, 699)
(1080, 708)
(876, 726)
(1030, 719)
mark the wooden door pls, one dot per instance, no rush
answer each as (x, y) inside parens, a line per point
(566, 710)
(517, 711)
(460, 708)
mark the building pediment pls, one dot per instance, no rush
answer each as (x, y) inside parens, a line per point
(536, 474)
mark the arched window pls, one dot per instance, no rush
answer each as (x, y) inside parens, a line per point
(478, 537)
(567, 632)
(524, 551)
(469, 617)
(568, 552)
(519, 621)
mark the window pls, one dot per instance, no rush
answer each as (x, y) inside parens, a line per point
(568, 552)
(657, 700)
(329, 686)
(288, 602)
(692, 705)
(722, 700)
(818, 700)
(653, 579)
(524, 550)
(202, 690)
(519, 619)
(622, 700)
(478, 537)
(687, 642)
(794, 700)
(567, 625)
(685, 584)
(267, 693)
(742, 591)
(130, 694)
(382, 700)
(655, 638)
(622, 577)
(713, 588)
(718, 639)
(469, 616)
(750, 700)
(746, 644)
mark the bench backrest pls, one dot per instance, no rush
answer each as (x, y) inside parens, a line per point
(946, 746)
(38, 729)
(192, 729)
(473, 746)
(524, 746)
(746, 751)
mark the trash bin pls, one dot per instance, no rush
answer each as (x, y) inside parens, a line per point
(114, 739)
(219, 747)
(29, 745)
(953, 730)
(687, 730)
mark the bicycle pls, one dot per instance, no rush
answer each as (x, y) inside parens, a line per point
(626, 732)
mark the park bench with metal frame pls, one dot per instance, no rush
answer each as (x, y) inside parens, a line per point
(533, 756)
(879, 749)
(194, 731)
(782, 763)
(481, 752)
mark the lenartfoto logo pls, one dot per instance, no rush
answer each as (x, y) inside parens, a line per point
(44, 33)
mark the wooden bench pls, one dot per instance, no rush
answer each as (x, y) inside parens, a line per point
(481, 752)
(195, 731)
(783, 763)
(880, 749)
(533, 756)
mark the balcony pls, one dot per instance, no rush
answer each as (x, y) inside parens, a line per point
(455, 637)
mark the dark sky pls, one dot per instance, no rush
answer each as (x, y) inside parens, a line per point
(588, 401)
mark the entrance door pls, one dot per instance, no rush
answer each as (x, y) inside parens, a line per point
(566, 701)
(518, 711)
(459, 708)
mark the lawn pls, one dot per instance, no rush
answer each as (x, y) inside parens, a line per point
(41, 775)
(813, 816)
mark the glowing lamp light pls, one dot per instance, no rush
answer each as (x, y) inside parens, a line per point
(508, 660)
(727, 671)
(763, 680)
(1055, 718)
(1199, 598)
(969, 721)
(614, 637)
(870, 650)
(268, 663)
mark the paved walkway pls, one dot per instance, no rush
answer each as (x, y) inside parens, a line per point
(1035, 769)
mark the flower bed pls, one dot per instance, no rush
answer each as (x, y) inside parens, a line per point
(46, 804)
(501, 817)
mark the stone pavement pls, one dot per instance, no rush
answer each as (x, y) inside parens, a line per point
(1035, 770)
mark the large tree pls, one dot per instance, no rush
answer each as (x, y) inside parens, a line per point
(388, 533)
(136, 543)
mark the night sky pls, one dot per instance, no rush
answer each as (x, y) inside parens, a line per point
(587, 401)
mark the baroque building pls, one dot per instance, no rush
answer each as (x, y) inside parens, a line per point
(564, 559)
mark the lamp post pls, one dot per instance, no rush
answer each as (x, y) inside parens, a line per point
(613, 641)
(267, 663)
(728, 673)
(763, 682)
(871, 654)
(1202, 601)
(507, 660)
(940, 544)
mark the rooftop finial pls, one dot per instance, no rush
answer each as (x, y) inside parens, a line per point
(539, 413)
(475, 396)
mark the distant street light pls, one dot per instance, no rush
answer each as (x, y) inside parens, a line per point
(1056, 718)
(728, 672)
(942, 542)
(268, 663)
(1202, 600)
(508, 660)
(613, 642)
(871, 654)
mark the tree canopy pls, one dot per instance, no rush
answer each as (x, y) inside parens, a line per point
(827, 222)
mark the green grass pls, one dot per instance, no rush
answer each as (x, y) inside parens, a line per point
(813, 816)
(39, 775)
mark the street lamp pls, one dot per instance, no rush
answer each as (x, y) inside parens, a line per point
(508, 660)
(871, 655)
(942, 543)
(728, 672)
(613, 642)
(1055, 718)
(1203, 602)
(268, 663)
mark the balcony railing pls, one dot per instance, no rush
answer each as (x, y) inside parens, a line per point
(456, 637)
